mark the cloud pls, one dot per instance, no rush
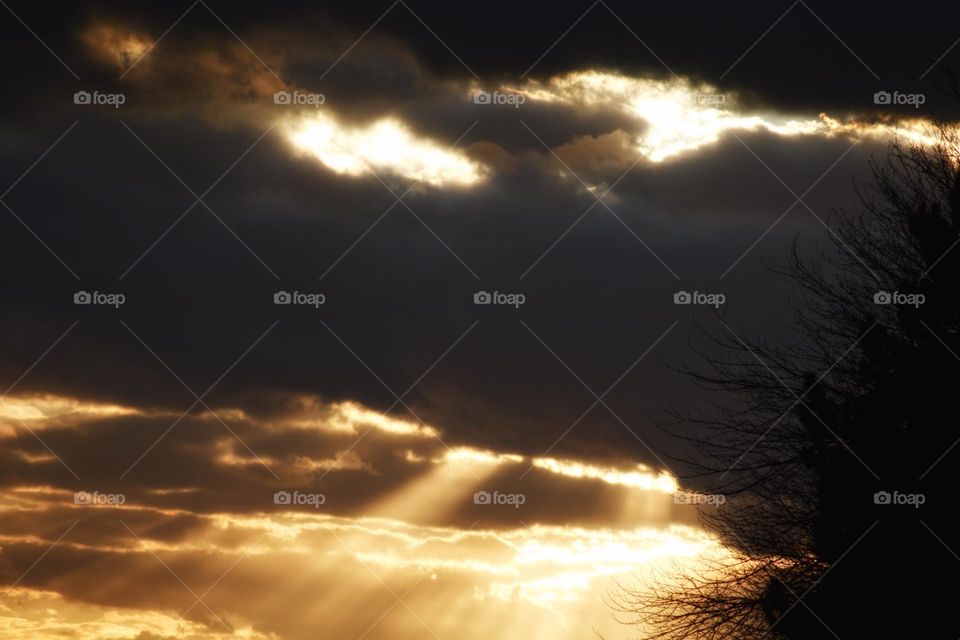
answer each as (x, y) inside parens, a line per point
(683, 117)
(358, 134)
(386, 145)
(360, 565)
(393, 511)
(490, 464)
(47, 615)
(363, 459)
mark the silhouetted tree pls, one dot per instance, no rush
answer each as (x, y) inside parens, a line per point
(858, 401)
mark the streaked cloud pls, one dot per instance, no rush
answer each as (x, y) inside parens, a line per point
(641, 477)
(680, 116)
(46, 615)
(506, 562)
(495, 575)
(40, 411)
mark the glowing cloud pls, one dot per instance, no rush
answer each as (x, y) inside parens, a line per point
(386, 145)
(118, 45)
(637, 477)
(681, 116)
(350, 417)
(42, 411)
(480, 456)
(46, 615)
(491, 574)
(640, 477)
(533, 578)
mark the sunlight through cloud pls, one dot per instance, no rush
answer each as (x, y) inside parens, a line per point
(682, 116)
(386, 145)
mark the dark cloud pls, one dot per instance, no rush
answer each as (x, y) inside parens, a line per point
(805, 56)
(401, 297)
(237, 464)
(106, 200)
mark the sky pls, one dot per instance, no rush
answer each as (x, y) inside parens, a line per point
(363, 321)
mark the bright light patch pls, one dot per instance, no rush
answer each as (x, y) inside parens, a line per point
(353, 414)
(508, 569)
(350, 417)
(681, 116)
(639, 477)
(467, 454)
(38, 412)
(48, 615)
(384, 146)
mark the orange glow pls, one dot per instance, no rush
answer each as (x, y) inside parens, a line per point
(117, 45)
(640, 477)
(42, 411)
(522, 578)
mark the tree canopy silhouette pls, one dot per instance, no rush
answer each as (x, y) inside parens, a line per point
(838, 450)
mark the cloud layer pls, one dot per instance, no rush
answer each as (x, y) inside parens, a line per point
(358, 321)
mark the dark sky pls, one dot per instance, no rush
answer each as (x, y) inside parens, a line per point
(813, 54)
(660, 148)
(404, 294)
